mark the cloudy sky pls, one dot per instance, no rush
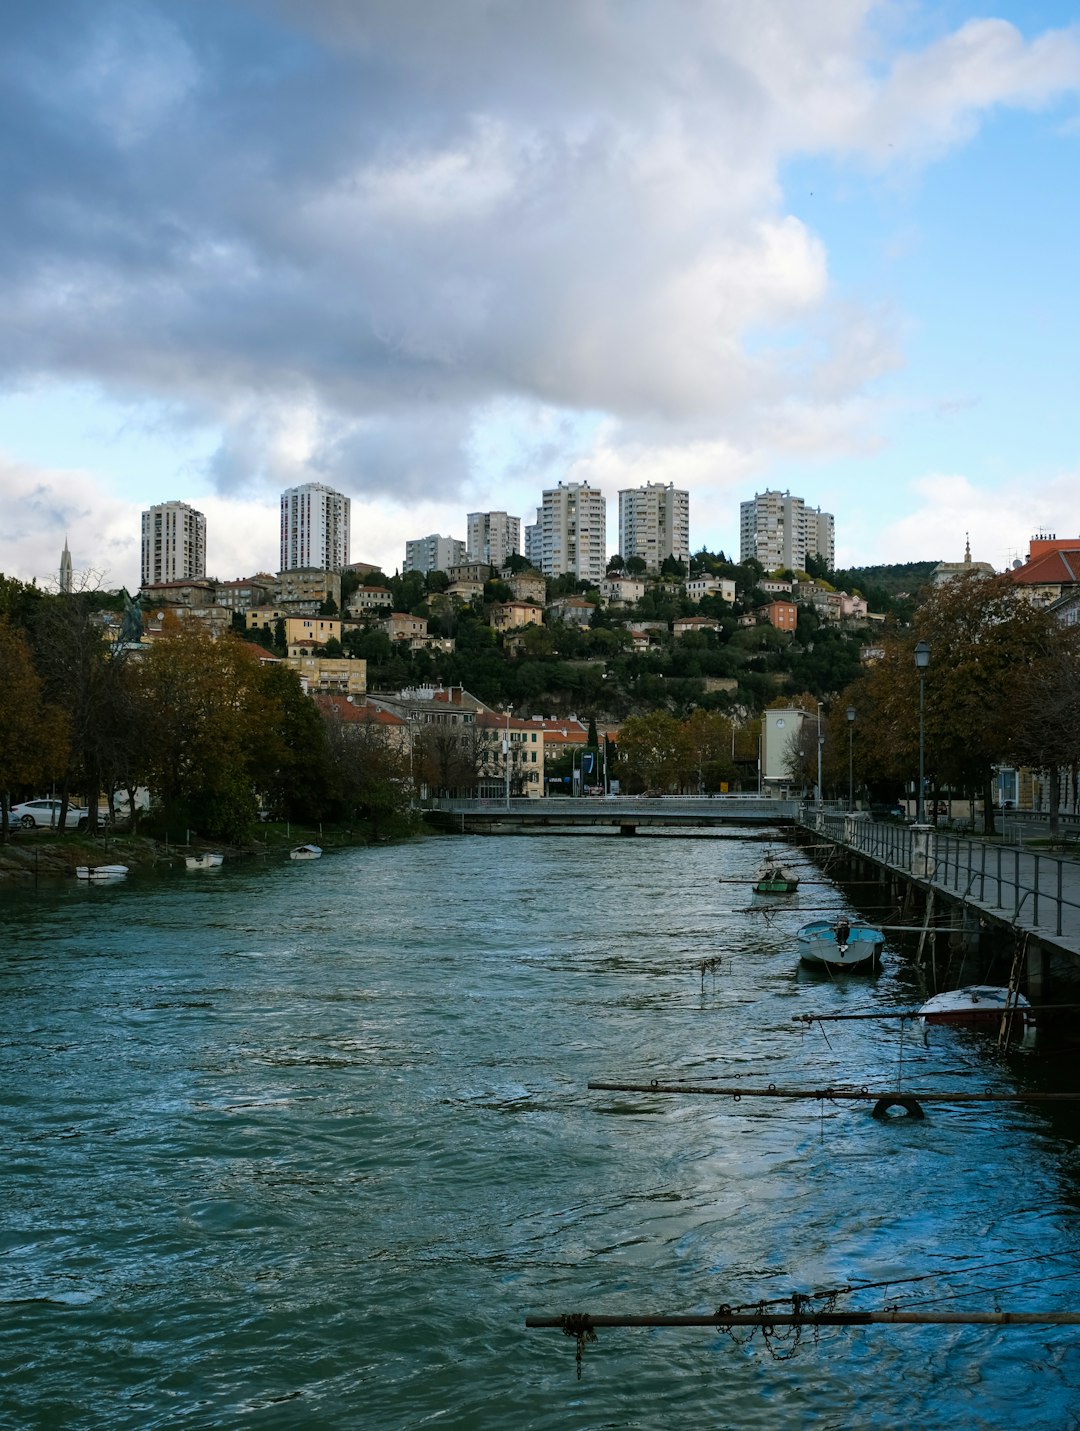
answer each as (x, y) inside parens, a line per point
(441, 254)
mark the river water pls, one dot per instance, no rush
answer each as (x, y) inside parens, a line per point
(300, 1145)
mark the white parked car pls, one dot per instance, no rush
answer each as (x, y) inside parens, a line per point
(46, 814)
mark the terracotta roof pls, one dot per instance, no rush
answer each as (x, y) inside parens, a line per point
(357, 711)
(1052, 568)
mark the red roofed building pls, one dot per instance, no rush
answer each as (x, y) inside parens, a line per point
(1051, 574)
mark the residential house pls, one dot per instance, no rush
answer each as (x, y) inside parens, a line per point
(572, 610)
(356, 713)
(326, 675)
(526, 585)
(510, 755)
(784, 615)
(300, 631)
(620, 590)
(308, 587)
(698, 587)
(1047, 577)
(692, 625)
(368, 599)
(403, 626)
(512, 615)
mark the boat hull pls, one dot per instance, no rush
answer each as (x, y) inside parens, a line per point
(860, 948)
(203, 862)
(97, 874)
(306, 852)
(979, 1006)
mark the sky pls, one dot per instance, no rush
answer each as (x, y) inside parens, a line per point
(442, 254)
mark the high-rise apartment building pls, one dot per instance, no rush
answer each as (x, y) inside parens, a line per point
(781, 531)
(314, 528)
(492, 537)
(433, 553)
(173, 544)
(570, 536)
(654, 523)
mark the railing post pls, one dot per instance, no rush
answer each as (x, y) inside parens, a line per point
(923, 863)
(1035, 901)
(1059, 897)
(1016, 884)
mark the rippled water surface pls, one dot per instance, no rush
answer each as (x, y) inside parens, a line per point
(301, 1145)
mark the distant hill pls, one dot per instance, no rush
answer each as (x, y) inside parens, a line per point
(889, 590)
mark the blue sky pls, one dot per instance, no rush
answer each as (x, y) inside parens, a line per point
(443, 257)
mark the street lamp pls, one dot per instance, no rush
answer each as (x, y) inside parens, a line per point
(506, 754)
(820, 743)
(850, 767)
(922, 660)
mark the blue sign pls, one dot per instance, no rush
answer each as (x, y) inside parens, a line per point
(588, 761)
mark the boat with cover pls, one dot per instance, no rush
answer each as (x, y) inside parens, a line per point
(775, 880)
(98, 873)
(979, 1006)
(840, 943)
(306, 852)
(206, 861)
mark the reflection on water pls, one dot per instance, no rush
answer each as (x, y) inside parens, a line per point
(303, 1145)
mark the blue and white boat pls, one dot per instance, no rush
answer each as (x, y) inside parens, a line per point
(840, 943)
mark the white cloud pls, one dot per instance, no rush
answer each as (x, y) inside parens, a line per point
(949, 509)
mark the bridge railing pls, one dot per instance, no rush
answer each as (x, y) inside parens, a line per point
(1033, 888)
(706, 807)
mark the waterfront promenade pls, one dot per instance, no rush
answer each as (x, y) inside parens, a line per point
(1035, 891)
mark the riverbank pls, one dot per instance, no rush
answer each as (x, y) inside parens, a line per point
(42, 854)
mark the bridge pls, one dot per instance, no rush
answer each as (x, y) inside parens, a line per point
(615, 814)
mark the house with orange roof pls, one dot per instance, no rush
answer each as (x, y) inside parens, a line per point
(1047, 577)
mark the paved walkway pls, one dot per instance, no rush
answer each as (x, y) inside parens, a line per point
(1032, 890)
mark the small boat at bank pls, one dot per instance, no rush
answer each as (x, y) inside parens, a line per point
(775, 880)
(980, 1006)
(306, 852)
(206, 861)
(840, 944)
(96, 874)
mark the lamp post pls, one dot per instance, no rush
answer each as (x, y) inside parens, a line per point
(922, 660)
(506, 754)
(820, 743)
(850, 766)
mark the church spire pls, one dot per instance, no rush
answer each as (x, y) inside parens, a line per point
(967, 548)
(65, 570)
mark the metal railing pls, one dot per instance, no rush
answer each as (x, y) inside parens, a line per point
(1034, 889)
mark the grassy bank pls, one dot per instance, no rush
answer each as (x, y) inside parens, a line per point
(41, 854)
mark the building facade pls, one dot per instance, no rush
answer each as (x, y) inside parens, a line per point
(173, 544)
(314, 528)
(781, 531)
(570, 534)
(654, 524)
(433, 553)
(492, 537)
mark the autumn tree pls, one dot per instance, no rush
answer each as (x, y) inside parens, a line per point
(369, 771)
(1046, 711)
(652, 752)
(205, 720)
(986, 642)
(33, 733)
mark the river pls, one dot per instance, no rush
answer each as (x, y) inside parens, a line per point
(300, 1145)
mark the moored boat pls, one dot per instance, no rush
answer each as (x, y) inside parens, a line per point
(206, 861)
(840, 943)
(979, 1006)
(95, 873)
(775, 880)
(306, 852)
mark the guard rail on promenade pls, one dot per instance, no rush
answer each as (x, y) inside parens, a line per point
(603, 809)
(1034, 890)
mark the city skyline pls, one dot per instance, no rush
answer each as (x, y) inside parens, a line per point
(832, 254)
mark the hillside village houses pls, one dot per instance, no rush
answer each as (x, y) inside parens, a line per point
(301, 605)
